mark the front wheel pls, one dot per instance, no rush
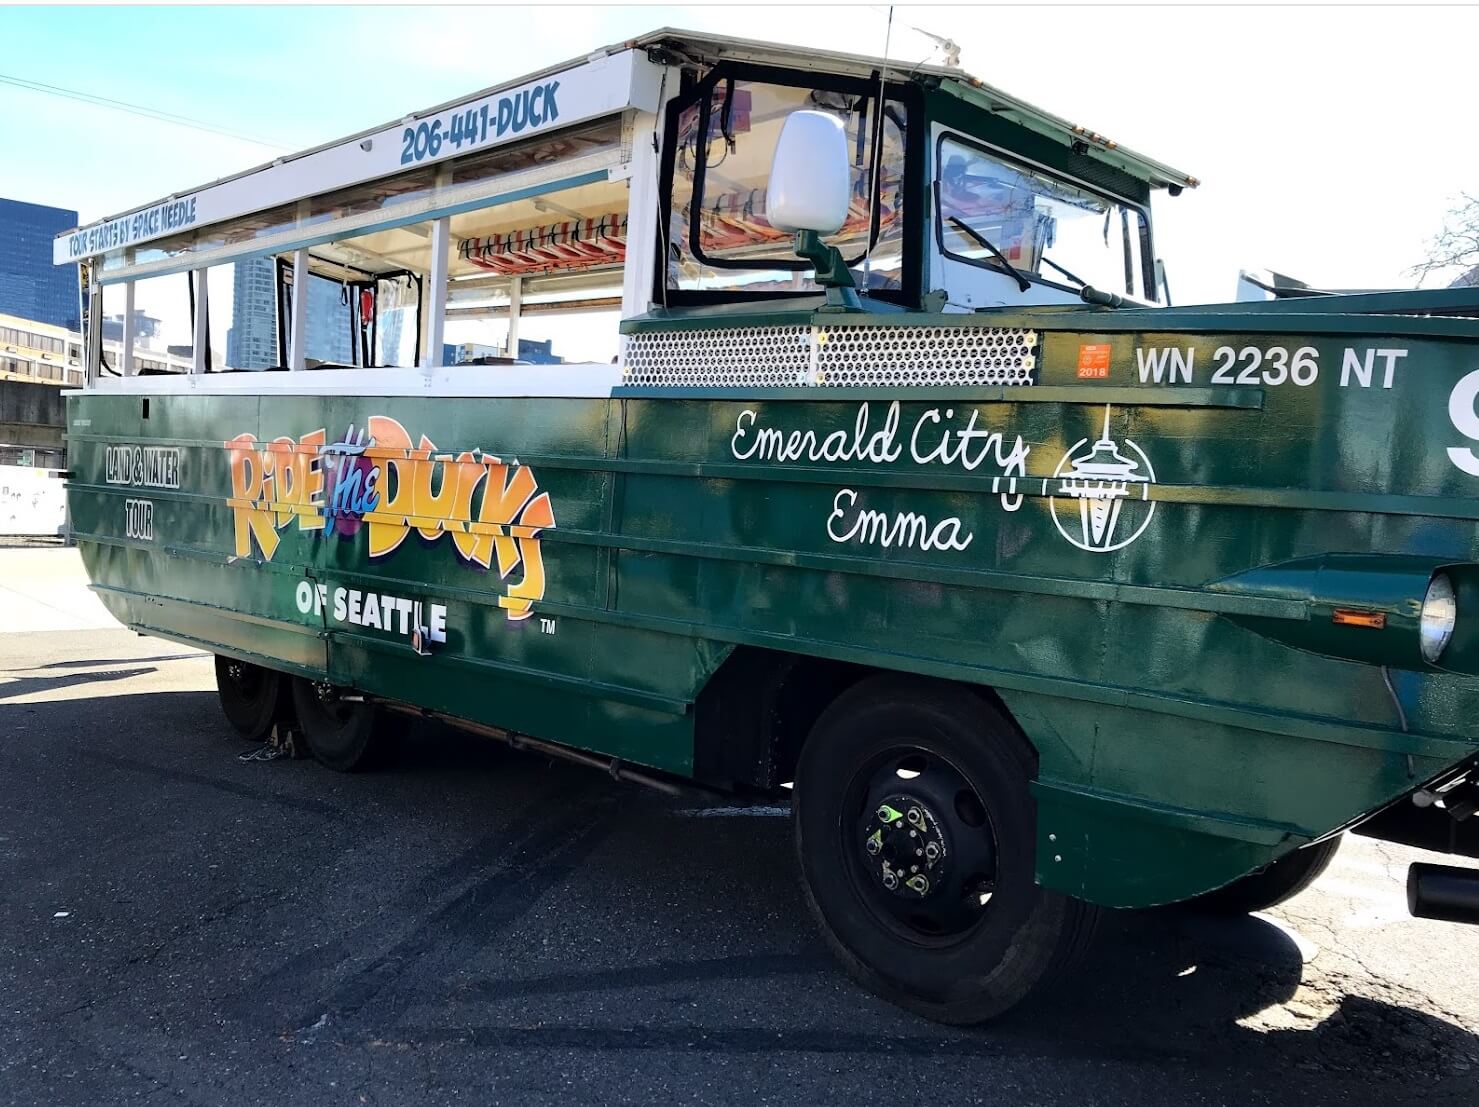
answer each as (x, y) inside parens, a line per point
(346, 735)
(915, 833)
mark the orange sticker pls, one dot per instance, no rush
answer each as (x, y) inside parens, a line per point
(1093, 361)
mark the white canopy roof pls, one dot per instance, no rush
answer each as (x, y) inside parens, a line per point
(604, 82)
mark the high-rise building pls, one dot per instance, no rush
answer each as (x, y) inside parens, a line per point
(251, 341)
(327, 334)
(30, 285)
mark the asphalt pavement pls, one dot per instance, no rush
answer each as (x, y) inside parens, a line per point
(480, 926)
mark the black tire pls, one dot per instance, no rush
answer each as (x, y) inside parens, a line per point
(344, 735)
(253, 699)
(955, 961)
(1282, 880)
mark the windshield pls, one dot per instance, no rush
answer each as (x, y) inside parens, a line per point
(1045, 227)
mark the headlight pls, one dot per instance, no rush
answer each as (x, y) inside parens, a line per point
(1439, 614)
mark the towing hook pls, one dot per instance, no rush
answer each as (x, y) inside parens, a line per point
(1443, 892)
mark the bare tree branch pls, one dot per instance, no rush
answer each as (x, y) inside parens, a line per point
(1456, 246)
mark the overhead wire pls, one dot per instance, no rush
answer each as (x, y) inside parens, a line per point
(138, 109)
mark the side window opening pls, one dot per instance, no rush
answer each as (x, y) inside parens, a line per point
(717, 235)
(539, 279)
(534, 274)
(353, 317)
(163, 326)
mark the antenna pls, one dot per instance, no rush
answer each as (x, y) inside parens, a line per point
(948, 46)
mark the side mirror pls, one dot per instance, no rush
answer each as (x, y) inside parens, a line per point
(809, 193)
(809, 179)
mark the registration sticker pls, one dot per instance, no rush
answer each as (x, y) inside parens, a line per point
(1093, 361)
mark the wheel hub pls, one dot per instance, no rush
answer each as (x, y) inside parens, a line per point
(907, 846)
(246, 679)
(924, 850)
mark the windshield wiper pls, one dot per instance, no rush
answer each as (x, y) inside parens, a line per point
(1074, 277)
(1023, 284)
(1087, 292)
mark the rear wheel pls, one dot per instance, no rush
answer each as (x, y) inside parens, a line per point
(915, 833)
(253, 699)
(1282, 880)
(345, 735)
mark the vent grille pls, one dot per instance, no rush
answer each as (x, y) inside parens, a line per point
(758, 357)
(839, 355)
(925, 355)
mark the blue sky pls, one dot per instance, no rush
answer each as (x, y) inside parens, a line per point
(299, 76)
(1330, 141)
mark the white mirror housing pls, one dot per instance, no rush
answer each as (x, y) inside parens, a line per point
(809, 186)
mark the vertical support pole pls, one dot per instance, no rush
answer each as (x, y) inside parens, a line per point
(515, 299)
(202, 338)
(642, 221)
(297, 356)
(92, 321)
(126, 354)
(436, 299)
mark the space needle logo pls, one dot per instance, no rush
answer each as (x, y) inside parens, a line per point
(1089, 489)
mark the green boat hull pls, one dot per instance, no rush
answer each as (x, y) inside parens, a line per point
(1195, 592)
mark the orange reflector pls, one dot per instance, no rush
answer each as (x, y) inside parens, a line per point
(1376, 620)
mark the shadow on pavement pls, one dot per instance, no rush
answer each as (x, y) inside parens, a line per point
(1162, 986)
(28, 686)
(1176, 981)
(93, 662)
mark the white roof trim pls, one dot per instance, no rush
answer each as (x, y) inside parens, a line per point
(603, 85)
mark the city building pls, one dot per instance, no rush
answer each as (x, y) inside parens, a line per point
(41, 353)
(31, 287)
(35, 359)
(251, 341)
(539, 353)
(530, 350)
(36, 351)
(463, 352)
(146, 328)
(329, 331)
